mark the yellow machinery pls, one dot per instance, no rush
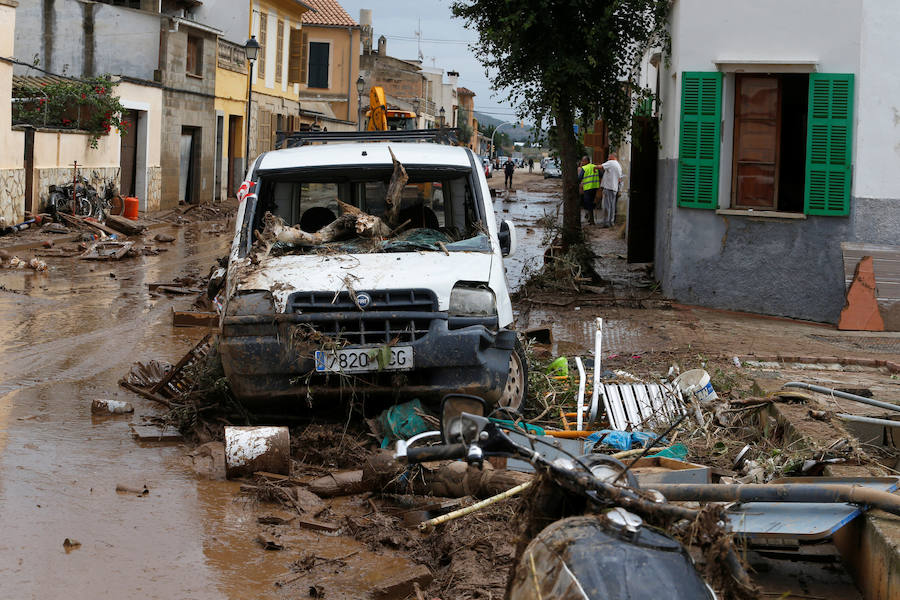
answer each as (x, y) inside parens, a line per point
(381, 118)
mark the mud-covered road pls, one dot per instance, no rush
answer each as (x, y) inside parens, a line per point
(70, 333)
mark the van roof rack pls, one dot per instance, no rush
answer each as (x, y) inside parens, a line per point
(294, 139)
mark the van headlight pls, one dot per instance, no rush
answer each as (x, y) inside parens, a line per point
(472, 301)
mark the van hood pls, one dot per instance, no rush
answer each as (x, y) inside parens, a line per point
(284, 275)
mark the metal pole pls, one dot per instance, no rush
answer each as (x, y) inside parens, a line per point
(496, 129)
(74, 187)
(359, 124)
(870, 420)
(249, 104)
(816, 493)
(840, 394)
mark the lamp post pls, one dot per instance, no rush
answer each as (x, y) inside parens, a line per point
(251, 49)
(442, 113)
(360, 85)
(496, 129)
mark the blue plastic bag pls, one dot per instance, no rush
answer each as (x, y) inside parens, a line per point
(620, 440)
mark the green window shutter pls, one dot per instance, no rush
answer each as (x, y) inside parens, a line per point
(698, 147)
(829, 144)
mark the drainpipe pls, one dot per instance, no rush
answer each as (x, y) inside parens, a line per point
(350, 75)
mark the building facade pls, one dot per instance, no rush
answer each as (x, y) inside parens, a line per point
(778, 143)
(86, 39)
(329, 51)
(12, 143)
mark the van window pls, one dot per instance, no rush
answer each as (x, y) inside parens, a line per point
(438, 208)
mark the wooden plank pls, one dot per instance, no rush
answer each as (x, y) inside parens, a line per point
(107, 250)
(125, 226)
(92, 224)
(316, 525)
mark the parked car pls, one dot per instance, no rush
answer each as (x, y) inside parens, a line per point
(488, 167)
(418, 314)
(552, 168)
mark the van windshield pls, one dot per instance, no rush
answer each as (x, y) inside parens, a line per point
(347, 211)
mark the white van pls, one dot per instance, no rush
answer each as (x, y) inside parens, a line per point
(420, 313)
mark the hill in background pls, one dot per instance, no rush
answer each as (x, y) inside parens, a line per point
(516, 134)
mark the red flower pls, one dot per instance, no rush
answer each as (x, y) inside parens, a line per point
(83, 96)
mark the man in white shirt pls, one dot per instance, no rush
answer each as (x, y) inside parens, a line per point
(609, 185)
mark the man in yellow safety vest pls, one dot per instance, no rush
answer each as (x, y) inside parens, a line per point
(588, 184)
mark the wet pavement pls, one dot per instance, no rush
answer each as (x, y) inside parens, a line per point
(68, 336)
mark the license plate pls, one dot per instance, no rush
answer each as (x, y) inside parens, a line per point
(361, 360)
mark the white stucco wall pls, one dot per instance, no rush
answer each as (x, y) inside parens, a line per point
(12, 143)
(877, 139)
(829, 33)
(149, 99)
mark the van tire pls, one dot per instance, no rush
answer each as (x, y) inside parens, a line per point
(515, 391)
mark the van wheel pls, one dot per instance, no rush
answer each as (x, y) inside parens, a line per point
(516, 389)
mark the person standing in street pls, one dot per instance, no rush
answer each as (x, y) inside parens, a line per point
(588, 183)
(531, 165)
(612, 179)
(509, 167)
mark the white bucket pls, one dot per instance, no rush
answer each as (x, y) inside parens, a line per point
(696, 382)
(251, 449)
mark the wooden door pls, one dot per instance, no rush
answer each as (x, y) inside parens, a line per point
(234, 133)
(757, 130)
(128, 155)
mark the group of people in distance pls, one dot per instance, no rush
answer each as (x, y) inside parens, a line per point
(599, 187)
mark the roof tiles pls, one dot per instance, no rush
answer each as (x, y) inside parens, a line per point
(328, 12)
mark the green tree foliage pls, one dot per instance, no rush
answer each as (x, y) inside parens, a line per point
(565, 60)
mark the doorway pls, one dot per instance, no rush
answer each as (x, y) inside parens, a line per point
(187, 172)
(235, 128)
(128, 155)
(642, 195)
(220, 134)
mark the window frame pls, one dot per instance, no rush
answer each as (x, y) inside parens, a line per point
(193, 54)
(733, 203)
(279, 50)
(263, 42)
(309, 43)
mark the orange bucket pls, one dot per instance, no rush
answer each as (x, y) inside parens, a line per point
(131, 208)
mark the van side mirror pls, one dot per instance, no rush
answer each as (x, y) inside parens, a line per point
(507, 238)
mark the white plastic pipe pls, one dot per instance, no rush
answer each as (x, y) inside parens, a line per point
(581, 383)
(595, 391)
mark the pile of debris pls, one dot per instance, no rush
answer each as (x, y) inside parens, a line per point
(745, 460)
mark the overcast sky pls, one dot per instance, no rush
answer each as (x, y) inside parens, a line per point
(444, 41)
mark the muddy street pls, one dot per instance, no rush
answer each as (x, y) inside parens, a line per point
(69, 334)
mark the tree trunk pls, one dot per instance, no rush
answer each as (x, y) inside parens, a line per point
(568, 156)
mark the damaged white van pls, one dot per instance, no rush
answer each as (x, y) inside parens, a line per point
(352, 275)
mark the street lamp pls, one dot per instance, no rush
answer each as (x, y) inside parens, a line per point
(496, 129)
(251, 49)
(360, 85)
(442, 113)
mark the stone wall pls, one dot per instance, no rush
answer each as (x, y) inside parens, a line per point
(154, 189)
(99, 177)
(12, 196)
